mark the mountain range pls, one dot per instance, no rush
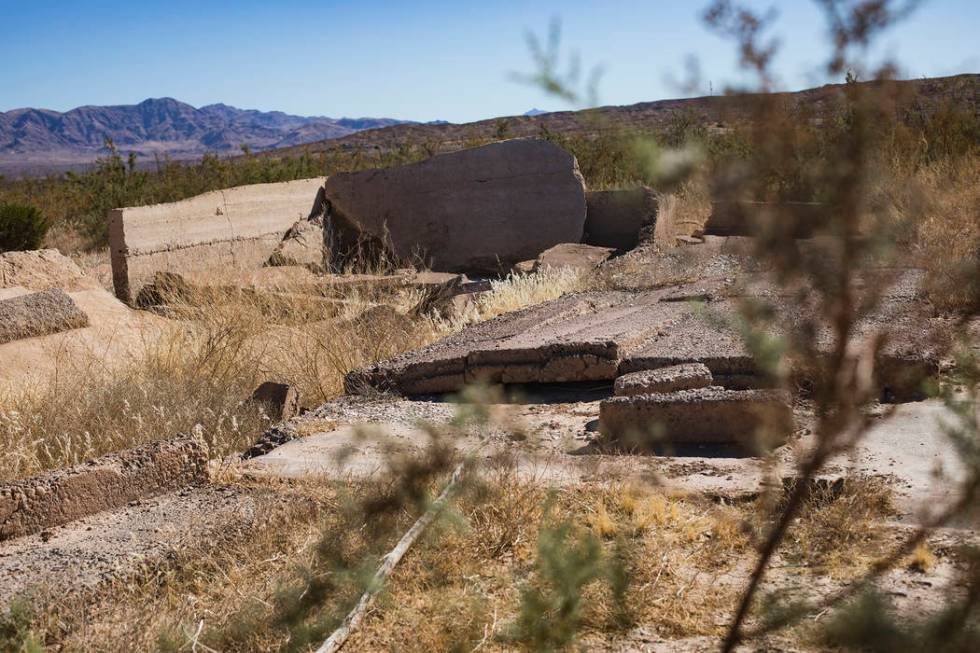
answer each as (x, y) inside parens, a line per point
(37, 139)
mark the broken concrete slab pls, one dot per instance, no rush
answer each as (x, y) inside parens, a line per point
(39, 314)
(231, 229)
(31, 505)
(688, 376)
(476, 210)
(280, 400)
(575, 338)
(704, 415)
(620, 218)
(574, 256)
(601, 335)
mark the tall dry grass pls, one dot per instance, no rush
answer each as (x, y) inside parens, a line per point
(197, 373)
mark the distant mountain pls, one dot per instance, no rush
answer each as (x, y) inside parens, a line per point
(534, 112)
(35, 139)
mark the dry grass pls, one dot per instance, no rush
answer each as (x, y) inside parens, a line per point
(198, 373)
(942, 201)
(461, 586)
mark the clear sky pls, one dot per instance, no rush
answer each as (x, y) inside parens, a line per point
(420, 60)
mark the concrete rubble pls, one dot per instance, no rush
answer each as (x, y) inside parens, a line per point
(703, 415)
(575, 256)
(280, 400)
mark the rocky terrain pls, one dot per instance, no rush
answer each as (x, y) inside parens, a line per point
(584, 369)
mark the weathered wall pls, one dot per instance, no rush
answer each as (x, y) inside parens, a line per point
(234, 228)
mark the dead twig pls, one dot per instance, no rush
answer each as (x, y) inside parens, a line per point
(339, 637)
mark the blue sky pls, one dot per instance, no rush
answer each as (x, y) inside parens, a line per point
(413, 60)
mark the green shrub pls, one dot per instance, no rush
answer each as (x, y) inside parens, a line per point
(21, 227)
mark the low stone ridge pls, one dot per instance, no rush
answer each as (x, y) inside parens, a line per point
(481, 209)
(39, 314)
(575, 256)
(47, 500)
(704, 415)
(231, 229)
(42, 269)
(666, 379)
(620, 218)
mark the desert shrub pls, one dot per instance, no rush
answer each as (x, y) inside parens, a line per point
(21, 227)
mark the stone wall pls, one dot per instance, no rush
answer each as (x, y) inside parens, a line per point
(231, 229)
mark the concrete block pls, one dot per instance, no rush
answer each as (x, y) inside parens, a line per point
(665, 379)
(619, 218)
(232, 229)
(704, 415)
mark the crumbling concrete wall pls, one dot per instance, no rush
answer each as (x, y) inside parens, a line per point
(47, 500)
(235, 228)
(39, 314)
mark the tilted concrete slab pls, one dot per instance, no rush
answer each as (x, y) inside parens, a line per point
(231, 229)
(480, 209)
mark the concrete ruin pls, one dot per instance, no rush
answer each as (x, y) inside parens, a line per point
(280, 400)
(689, 376)
(745, 218)
(599, 336)
(576, 256)
(39, 314)
(58, 497)
(232, 229)
(481, 209)
(702, 415)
